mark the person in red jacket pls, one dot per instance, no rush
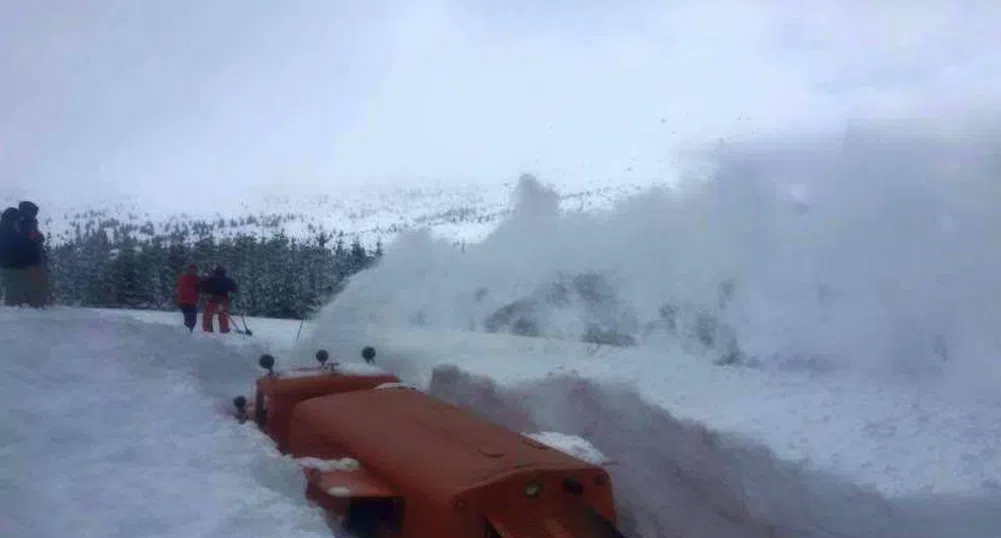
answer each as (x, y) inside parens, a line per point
(188, 291)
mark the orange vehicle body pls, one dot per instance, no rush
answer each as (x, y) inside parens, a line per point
(279, 394)
(423, 468)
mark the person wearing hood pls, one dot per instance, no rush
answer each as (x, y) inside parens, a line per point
(15, 255)
(37, 267)
(188, 286)
(217, 289)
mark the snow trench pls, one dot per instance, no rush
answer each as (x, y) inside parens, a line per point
(677, 478)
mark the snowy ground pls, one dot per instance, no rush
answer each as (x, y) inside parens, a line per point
(895, 439)
(112, 428)
(815, 456)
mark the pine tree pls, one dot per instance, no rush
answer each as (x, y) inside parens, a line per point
(359, 258)
(109, 263)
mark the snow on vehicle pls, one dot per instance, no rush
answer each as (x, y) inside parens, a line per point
(388, 460)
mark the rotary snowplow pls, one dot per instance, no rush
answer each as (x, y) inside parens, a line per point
(390, 461)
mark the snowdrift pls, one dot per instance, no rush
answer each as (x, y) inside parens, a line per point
(680, 478)
(113, 428)
(716, 474)
(896, 438)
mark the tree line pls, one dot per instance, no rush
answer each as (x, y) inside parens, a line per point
(113, 264)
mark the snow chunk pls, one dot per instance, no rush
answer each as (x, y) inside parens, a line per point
(352, 368)
(307, 372)
(395, 386)
(575, 446)
(339, 491)
(343, 464)
(359, 368)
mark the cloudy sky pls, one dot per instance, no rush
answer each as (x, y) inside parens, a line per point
(184, 103)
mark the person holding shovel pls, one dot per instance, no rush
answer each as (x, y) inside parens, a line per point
(217, 289)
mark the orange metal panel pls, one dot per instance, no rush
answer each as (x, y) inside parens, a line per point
(450, 466)
(284, 392)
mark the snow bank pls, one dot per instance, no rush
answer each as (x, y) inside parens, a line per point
(678, 478)
(897, 439)
(114, 428)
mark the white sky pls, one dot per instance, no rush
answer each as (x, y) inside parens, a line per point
(182, 104)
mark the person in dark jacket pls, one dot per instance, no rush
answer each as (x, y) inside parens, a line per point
(15, 254)
(8, 229)
(38, 274)
(188, 288)
(217, 289)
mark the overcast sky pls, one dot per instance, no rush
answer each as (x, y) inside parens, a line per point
(183, 103)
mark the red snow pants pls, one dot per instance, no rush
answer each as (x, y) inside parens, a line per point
(220, 307)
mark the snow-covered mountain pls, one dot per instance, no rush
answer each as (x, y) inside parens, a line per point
(462, 213)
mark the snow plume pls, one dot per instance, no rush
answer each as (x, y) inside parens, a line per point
(861, 250)
(675, 478)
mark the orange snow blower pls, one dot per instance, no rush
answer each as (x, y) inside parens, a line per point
(389, 461)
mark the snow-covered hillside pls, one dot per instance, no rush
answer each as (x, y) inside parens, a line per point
(113, 428)
(464, 213)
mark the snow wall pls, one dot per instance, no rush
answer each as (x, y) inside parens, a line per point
(679, 478)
